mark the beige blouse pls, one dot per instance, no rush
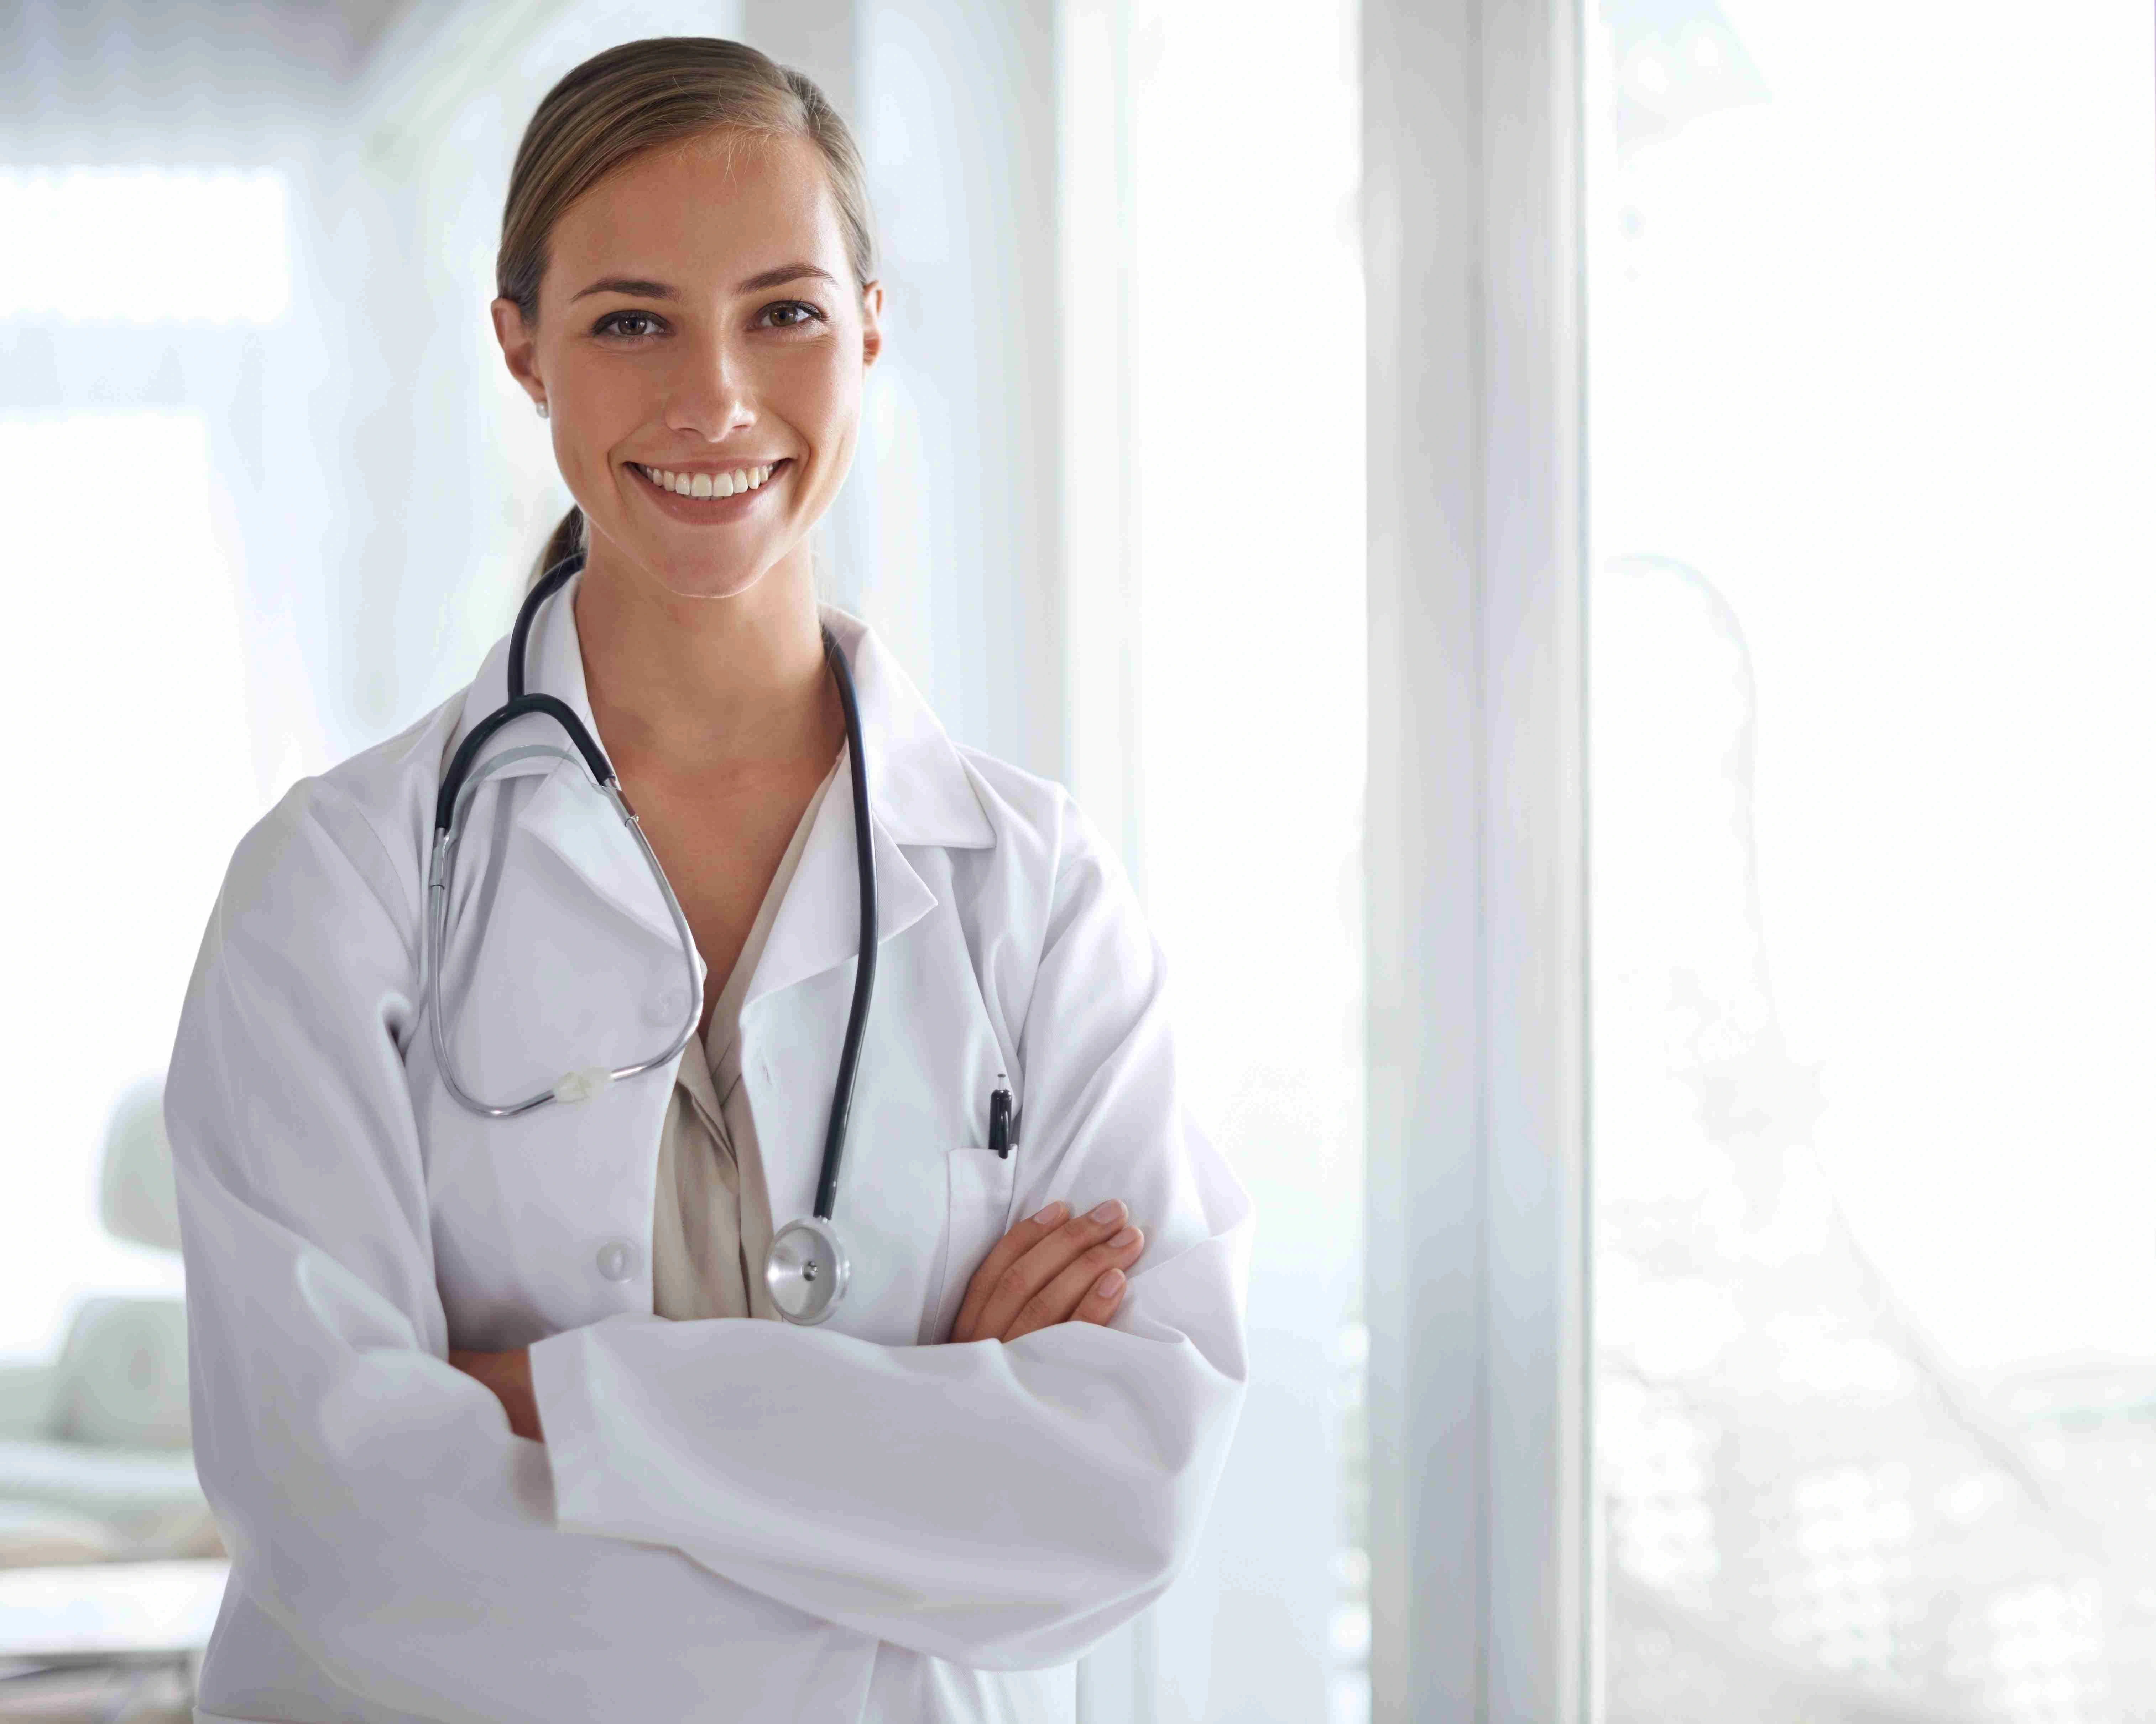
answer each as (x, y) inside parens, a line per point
(711, 1221)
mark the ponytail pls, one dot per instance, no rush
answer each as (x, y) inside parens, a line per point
(566, 540)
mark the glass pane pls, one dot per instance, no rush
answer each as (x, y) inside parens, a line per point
(1215, 636)
(133, 777)
(1872, 378)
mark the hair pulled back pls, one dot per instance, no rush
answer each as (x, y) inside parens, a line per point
(661, 90)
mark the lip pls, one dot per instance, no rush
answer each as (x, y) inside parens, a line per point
(709, 511)
(737, 464)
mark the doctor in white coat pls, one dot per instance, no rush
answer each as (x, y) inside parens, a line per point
(468, 1466)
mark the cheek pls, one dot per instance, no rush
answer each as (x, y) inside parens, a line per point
(615, 398)
(829, 408)
(594, 406)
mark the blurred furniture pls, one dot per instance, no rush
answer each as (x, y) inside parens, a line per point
(95, 1462)
(141, 1619)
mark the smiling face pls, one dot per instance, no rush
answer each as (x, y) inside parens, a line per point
(701, 345)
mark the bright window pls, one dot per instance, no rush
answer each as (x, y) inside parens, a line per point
(1873, 381)
(143, 245)
(1217, 610)
(131, 776)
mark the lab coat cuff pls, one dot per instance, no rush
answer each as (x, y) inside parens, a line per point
(568, 1422)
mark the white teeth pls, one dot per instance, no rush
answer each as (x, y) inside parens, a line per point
(707, 485)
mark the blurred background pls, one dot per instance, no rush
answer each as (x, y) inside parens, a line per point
(1871, 371)
(1872, 390)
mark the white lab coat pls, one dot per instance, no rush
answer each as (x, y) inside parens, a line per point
(732, 1519)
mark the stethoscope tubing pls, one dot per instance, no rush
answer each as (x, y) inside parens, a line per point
(864, 968)
(442, 861)
(440, 868)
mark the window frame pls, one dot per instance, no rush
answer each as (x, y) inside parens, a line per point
(1476, 863)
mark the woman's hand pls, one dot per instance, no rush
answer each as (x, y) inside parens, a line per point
(509, 1375)
(1049, 1269)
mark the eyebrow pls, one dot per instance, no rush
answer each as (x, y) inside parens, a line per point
(637, 290)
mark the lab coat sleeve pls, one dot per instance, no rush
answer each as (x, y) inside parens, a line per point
(372, 1497)
(1000, 1505)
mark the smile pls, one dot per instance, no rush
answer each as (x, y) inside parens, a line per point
(709, 484)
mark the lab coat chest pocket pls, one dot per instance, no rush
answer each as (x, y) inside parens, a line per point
(980, 1187)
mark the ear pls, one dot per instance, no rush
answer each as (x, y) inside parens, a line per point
(520, 348)
(871, 323)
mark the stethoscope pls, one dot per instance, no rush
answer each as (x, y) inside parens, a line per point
(807, 1266)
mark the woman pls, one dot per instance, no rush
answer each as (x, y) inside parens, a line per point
(482, 1439)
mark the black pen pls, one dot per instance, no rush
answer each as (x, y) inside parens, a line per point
(999, 1114)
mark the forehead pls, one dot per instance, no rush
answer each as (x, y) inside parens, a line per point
(708, 210)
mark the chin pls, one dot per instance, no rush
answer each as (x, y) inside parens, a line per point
(703, 577)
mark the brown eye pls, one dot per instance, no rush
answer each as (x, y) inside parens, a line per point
(792, 314)
(615, 322)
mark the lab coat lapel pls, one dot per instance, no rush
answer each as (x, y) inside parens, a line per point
(919, 794)
(566, 813)
(568, 816)
(918, 786)
(818, 926)
(794, 1015)
(928, 1039)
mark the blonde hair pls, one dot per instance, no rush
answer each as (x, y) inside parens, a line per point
(639, 95)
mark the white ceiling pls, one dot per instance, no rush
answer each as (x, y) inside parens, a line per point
(86, 81)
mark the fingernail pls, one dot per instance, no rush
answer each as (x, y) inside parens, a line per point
(1052, 1214)
(1109, 1285)
(1113, 1210)
(1128, 1236)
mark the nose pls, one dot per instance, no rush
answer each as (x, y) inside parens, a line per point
(709, 394)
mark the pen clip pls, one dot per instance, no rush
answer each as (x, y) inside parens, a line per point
(999, 1119)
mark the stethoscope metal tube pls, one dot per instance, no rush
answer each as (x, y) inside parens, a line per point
(808, 1268)
(575, 1085)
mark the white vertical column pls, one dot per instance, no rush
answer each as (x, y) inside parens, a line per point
(1102, 647)
(1103, 651)
(1475, 860)
(961, 542)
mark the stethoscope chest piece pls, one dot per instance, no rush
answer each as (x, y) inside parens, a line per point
(806, 1270)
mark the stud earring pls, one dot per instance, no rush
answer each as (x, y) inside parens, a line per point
(541, 406)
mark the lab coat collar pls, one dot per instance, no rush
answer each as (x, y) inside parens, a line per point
(920, 794)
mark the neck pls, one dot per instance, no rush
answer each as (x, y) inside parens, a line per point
(707, 687)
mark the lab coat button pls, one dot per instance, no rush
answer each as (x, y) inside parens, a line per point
(617, 1259)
